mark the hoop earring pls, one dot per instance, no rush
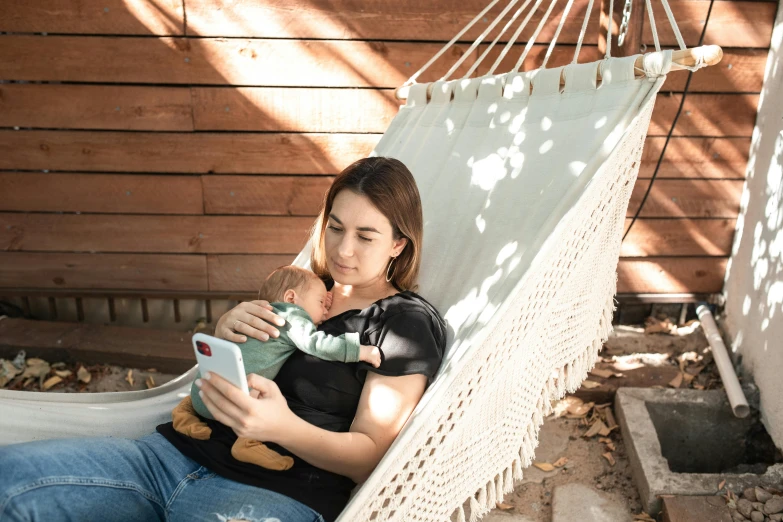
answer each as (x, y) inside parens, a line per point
(389, 277)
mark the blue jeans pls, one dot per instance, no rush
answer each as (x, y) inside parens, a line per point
(114, 479)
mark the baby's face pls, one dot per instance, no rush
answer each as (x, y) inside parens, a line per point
(312, 298)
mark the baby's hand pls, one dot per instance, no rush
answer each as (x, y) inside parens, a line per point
(370, 354)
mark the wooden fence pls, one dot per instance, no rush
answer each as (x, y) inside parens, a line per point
(182, 147)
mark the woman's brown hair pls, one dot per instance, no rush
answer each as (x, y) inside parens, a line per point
(390, 187)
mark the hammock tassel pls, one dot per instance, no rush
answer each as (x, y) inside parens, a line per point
(491, 497)
(461, 514)
(508, 479)
(482, 497)
(499, 484)
(475, 509)
(516, 470)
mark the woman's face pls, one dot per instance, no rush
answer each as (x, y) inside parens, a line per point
(358, 241)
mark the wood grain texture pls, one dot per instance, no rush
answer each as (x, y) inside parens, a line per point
(678, 237)
(211, 61)
(374, 19)
(153, 234)
(164, 350)
(103, 193)
(694, 157)
(294, 109)
(21, 232)
(705, 115)
(311, 110)
(291, 154)
(139, 17)
(740, 70)
(243, 273)
(196, 153)
(103, 271)
(561, 55)
(688, 198)
(269, 195)
(96, 107)
(671, 275)
(732, 24)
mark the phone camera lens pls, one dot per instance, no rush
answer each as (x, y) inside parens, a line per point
(203, 348)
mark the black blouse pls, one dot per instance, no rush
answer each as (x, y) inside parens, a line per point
(411, 335)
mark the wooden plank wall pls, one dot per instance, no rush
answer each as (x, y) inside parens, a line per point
(178, 145)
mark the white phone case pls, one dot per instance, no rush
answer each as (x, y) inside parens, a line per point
(221, 357)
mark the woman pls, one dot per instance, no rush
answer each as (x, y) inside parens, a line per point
(337, 420)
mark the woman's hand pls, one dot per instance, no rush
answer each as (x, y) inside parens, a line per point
(253, 318)
(264, 415)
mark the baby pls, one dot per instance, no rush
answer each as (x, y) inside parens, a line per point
(297, 295)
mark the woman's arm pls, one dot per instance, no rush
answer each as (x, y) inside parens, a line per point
(251, 318)
(384, 406)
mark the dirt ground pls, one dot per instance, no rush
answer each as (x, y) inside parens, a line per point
(59, 377)
(631, 356)
(586, 465)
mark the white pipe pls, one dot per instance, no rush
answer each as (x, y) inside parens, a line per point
(739, 404)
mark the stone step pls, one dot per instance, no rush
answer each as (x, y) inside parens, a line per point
(577, 502)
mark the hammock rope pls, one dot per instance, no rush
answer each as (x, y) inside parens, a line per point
(698, 54)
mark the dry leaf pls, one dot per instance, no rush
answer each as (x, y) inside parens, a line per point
(504, 507)
(129, 377)
(676, 382)
(605, 440)
(643, 517)
(544, 466)
(653, 325)
(563, 406)
(721, 485)
(606, 430)
(610, 421)
(36, 368)
(7, 372)
(610, 446)
(150, 382)
(84, 375)
(595, 429)
(152, 370)
(581, 410)
(693, 371)
(698, 386)
(608, 456)
(590, 384)
(51, 381)
(559, 463)
(63, 373)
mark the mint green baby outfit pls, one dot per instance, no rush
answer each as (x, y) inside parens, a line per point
(299, 332)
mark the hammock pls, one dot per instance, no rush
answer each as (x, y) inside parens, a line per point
(525, 179)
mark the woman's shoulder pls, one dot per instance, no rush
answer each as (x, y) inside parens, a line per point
(409, 308)
(409, 302)
(410, 333)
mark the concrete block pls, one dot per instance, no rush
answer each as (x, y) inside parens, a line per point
(572, 502)
(678, 441)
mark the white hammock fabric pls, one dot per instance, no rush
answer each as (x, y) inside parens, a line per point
(524, 185)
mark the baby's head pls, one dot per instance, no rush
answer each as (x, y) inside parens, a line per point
(291, 284)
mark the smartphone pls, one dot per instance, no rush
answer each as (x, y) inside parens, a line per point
(221, 357)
